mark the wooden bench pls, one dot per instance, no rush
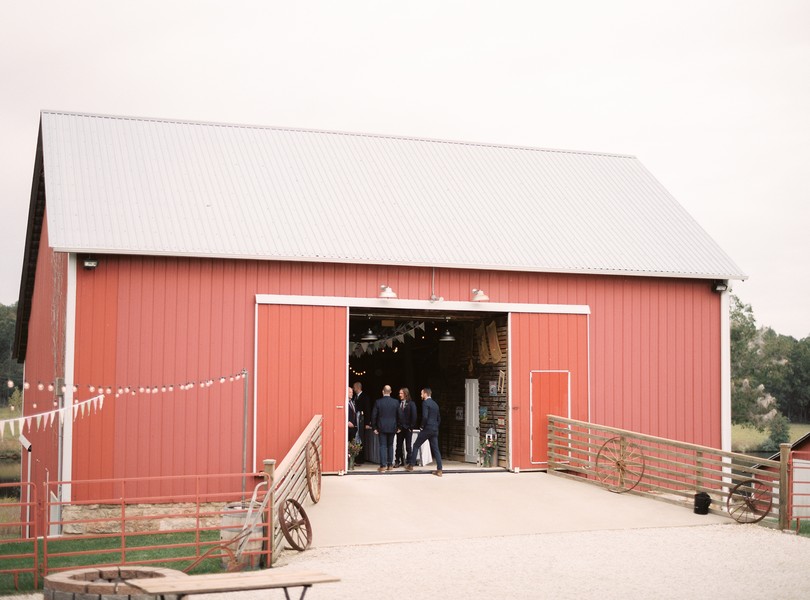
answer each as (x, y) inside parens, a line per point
(231, 582)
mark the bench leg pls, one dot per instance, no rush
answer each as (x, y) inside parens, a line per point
(303, 592)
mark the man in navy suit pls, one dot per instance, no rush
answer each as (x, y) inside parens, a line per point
(407, 421)
(386, 423)
(431, 419)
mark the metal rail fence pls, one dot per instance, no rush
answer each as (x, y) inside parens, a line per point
(19, 537)
(800, 487)
(626, 461)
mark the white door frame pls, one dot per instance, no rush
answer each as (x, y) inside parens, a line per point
(471, 420)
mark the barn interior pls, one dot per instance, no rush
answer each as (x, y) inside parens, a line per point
(443, 351)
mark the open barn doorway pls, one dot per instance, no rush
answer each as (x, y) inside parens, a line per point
(447, 352)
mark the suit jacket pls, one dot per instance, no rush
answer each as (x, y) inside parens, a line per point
(385, 416)
(362, 402)
(431, 419)
(352, 419)
(407, 417)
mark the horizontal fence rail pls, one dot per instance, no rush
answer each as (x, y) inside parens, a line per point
(800, 488)
(127, 527)
(667, 469)
(290, 476)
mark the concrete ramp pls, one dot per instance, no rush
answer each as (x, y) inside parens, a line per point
(402, 507)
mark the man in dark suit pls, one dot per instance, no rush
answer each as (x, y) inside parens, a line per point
(407, 421)
(386, 424)
(362, 403)
(352, 421)
(431, 419)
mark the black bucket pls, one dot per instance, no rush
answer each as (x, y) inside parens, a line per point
(702, 502)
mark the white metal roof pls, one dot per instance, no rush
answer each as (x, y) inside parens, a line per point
(157, 187)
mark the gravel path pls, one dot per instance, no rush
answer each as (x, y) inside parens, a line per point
(712, 561)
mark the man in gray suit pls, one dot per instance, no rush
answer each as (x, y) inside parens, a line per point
(386, 424)
(431, 419)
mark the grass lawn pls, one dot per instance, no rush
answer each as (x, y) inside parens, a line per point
(108, 551)
(748, 439)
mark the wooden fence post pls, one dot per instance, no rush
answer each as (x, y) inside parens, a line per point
(784, 485)
(270, 470)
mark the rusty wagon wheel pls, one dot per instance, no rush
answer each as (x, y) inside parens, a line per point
(619, 465)
(749, 501)
(295, 524)
(314, 472)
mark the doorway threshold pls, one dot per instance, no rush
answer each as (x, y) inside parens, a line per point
(448, 466)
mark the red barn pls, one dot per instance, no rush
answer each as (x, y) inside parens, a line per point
(164, 257)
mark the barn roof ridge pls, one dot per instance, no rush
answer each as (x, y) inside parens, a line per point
(388, 136)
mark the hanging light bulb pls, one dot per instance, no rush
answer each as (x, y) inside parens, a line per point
(369, 336)
(447, 336)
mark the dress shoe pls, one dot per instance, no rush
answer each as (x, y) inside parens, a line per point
(390, 468)
(437, 473)
(409, 467)
(381, 469)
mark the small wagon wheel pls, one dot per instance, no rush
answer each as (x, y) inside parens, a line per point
(619, 465)
(295, 524)
(314, 472)
(749, 501)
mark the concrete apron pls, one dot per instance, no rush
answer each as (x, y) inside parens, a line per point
(400, 507)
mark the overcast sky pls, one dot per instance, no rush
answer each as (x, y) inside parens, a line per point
(712, 97)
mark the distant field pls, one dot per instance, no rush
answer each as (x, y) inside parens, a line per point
(748, 439)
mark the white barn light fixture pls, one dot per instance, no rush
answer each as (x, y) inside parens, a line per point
(387, 292)
(479, 296)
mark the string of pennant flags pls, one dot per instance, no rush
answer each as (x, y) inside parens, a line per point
(46, 419)
(80, 408)
(121, 390)
(399, 334)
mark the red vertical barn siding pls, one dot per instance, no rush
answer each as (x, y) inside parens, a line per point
(654, 350)
(145, 324)
(301, 369)
(45, 360)
(544, 342)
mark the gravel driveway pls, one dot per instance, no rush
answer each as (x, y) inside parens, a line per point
(711, 561)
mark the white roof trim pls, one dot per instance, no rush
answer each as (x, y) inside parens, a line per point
(439, 306)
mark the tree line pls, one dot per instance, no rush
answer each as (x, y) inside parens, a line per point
(770, 376)
(10, 369)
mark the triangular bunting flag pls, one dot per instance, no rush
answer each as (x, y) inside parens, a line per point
(101, 401)
(2, 429)
(62, 416)
(17, 427)
(83, 407)
(420, 326)
(364, 346)
(401, 339)
(39, 421)
(52, 416)
(412, 332)
(28, 423)
(75, 411)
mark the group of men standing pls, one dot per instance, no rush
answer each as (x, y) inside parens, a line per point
(393, 422)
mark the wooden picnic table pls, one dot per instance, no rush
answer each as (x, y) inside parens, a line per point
(232, 582)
